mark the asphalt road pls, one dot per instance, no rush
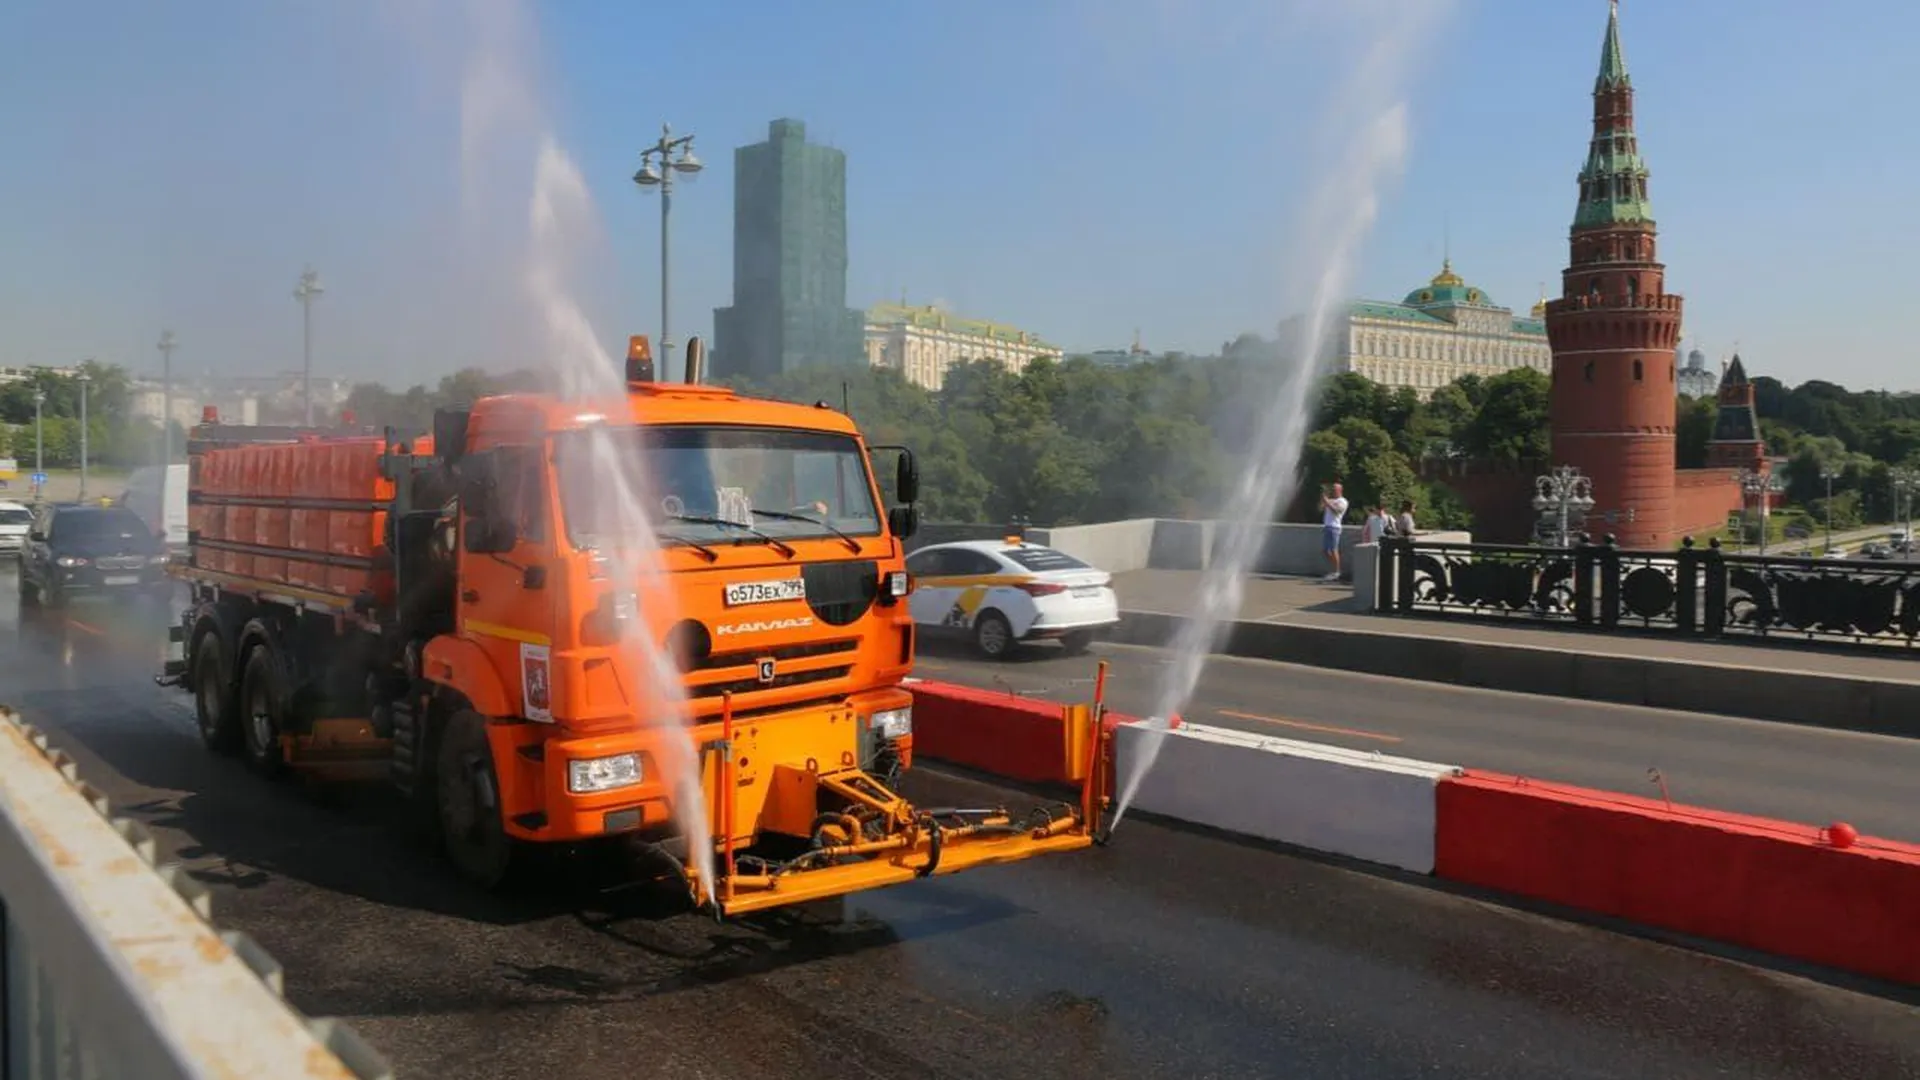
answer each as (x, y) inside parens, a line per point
(1784, 771)
(1166, 954)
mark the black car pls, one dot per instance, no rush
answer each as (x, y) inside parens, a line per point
(89, 548)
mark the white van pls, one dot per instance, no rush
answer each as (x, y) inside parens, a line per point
(159, 496)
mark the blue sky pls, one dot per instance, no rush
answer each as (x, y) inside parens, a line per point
(1076, 167)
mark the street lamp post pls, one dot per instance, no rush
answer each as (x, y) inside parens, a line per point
(167, 344)
(658, 163)
(1755, 485)
(83, 379)
(39, 444)
(1906, 481)
(307, 291)
(1829, 475)
(1564, 490)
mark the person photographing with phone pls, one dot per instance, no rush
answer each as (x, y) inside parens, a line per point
(1333, 510)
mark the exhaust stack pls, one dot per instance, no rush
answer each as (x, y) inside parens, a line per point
(696, 360)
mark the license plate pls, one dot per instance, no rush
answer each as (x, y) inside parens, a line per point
(1086, 590)
(765, 592)
(121, 579)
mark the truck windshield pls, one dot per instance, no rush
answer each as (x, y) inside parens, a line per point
(718, 484)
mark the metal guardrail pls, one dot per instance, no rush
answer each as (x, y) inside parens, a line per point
(112, 966)
(1693, 592)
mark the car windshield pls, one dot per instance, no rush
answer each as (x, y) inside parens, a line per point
(15, 517)
(715, 484)
(98, 525)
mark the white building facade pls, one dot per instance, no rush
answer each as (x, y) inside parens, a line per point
(1437, 334)
(923, 342)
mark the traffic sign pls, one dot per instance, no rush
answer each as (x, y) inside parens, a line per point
(39, 479)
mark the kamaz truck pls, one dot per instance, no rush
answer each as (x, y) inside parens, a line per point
(466, 615)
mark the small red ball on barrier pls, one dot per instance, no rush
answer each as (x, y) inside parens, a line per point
(1842, 835)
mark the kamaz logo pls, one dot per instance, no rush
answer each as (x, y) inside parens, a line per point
(763, 626)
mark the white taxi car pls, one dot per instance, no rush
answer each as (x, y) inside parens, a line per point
(1003, 592)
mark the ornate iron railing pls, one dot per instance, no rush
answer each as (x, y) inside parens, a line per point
(1701, 592)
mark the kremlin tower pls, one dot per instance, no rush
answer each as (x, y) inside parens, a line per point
(1613, 330)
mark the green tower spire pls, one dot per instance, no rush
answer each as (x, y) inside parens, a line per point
(1613, 183)
(1613, 62)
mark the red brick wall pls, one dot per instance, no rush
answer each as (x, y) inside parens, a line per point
(1702, 500)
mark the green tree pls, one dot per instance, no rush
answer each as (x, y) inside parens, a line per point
(1511, 423)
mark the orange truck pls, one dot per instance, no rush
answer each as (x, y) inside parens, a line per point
(451, 614)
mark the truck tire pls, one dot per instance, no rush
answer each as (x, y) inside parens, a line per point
(263, 711)
(216, 713)
(467, 803)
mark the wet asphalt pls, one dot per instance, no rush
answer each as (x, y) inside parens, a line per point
(1168, 953)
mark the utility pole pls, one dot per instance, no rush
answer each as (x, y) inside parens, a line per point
(39, 444)
(83, 378)
(1829, 475)
(658, 163)
(167, 344)
(307, 291)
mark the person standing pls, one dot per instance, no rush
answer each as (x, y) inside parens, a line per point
(1333, 510)
(1377, 525)
(1403, 525)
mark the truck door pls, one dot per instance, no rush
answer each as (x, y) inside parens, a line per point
(504, 602)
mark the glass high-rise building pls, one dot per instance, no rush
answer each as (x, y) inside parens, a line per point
(789, 261)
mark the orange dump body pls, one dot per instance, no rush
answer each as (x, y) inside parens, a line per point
(309, 514)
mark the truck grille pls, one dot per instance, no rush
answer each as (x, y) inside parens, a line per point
(752, 684)
(750, 657)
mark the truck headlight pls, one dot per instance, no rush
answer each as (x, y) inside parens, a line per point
(893, 723)
(588, 775)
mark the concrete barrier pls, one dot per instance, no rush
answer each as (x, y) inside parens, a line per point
(1173, 544)
(1774, 886)
(1033, 741)
(112, 968)
(1345, 802)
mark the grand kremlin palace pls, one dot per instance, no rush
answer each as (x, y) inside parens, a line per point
(1441, 331)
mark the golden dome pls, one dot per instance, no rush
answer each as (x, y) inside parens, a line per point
(1446, 276)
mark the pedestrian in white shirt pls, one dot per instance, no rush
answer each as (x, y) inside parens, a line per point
(1333, 511)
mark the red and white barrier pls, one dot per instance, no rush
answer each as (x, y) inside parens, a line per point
(1326, 798)
(1801, 891)
(1810, 893)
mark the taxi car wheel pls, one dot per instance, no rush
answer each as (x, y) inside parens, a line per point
(1077, 642)
(993, 635)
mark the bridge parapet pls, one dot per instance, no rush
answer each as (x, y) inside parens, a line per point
(113, 966)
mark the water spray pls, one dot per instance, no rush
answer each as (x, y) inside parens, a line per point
(1337, 222)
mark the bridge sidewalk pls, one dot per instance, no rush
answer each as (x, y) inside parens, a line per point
(1303, 620)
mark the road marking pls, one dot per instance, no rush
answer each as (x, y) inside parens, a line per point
(1303, 725)
(83, 627)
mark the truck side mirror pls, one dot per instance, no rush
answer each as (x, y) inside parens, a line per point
(903, 521)
(906, 475)
(906, 479)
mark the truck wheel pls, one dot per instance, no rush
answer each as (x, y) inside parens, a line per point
(993, 635)
(213, 704)
(263, 711)
(467, 797)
